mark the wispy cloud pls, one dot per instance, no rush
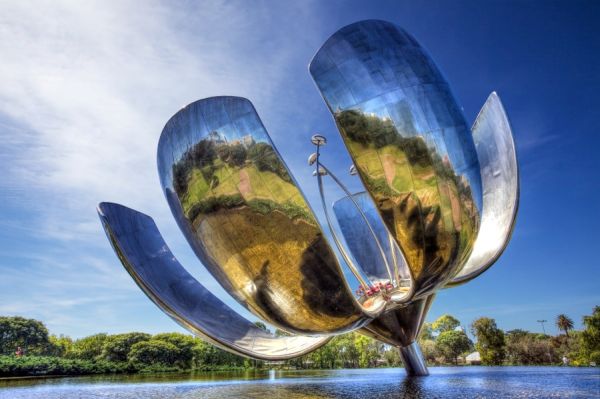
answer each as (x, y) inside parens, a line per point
(85, 88)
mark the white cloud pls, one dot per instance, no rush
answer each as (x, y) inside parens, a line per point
(85, 89)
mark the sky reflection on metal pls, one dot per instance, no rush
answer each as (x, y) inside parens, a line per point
(246, 219)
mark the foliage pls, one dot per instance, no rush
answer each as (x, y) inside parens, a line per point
(183, 343)
(29, 334)
(526, 348)
(60, 346)
(429, 350)
(139, 352)
(213, 204)
(590, 337)
(445, 323)
(490, 341)
(264, 157)
(368, 349)
(207, 356)
(564, 323)
(452, 344)
(201, 154)
(391, 356)
(153, 352)
(568, 346)
(88, 348)
(237, 155)
(426, 332)
(11, 366)
(116, 347)
(348, 351)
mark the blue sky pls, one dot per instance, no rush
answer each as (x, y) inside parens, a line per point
(86, 87)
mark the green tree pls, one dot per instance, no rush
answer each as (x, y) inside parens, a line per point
(490, 341)
(60, 346)
(265, 159)
(325, 356)
(445, 323)
(429, 350)
(348, 353)
(207, 356)
(185, 345)
(590, 337)
(392, 357)
(524, 347)
(237, 155)
(117, 347)
(29, 334)
(564, 323)
(88, 348)
(452, 344)
(154, 352)
(569, 346)
(368, 350)
(426, 332)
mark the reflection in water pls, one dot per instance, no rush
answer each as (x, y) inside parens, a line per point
(460, 382)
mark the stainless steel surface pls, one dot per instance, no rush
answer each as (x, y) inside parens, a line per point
(358, 234)
(413, 360)
(409, 142)
(500, 179)
(243, 214)
(439, 207)
(369, 292)
(144, 254)
(400, 326)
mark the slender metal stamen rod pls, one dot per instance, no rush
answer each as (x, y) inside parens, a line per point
(336, 239)
(364, 218)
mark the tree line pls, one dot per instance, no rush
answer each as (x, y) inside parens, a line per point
(444, 341)
(27, 348)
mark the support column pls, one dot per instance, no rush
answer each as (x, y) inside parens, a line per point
(413, 360)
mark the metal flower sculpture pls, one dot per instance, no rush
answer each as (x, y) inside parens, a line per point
(438, 209)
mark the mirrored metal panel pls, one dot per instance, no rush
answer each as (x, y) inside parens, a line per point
(409, 142)
(400, 327)
(424, 222)
(500, 178)
(390, 274)
(147, 258)
(248, 222)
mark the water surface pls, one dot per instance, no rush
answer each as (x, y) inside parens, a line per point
(444, 382)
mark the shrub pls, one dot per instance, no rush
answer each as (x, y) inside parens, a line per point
(117, 347)
(43, 365)
(154, 352)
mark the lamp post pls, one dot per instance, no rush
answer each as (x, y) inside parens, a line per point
(542, 323)
(544, 330)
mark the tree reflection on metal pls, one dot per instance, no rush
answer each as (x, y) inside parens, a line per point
(438, 207)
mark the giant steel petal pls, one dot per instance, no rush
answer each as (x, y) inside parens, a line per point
(409, 142)
(500, 179)
(247, 220)
(372, 245)
(145, 255)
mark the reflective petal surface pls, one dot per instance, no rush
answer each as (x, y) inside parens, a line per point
(500, 178)
(401, 326)
(144, 254)
(409, 142)
(364, 248)
(243, 214)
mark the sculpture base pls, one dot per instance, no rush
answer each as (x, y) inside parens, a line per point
(413, 360)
